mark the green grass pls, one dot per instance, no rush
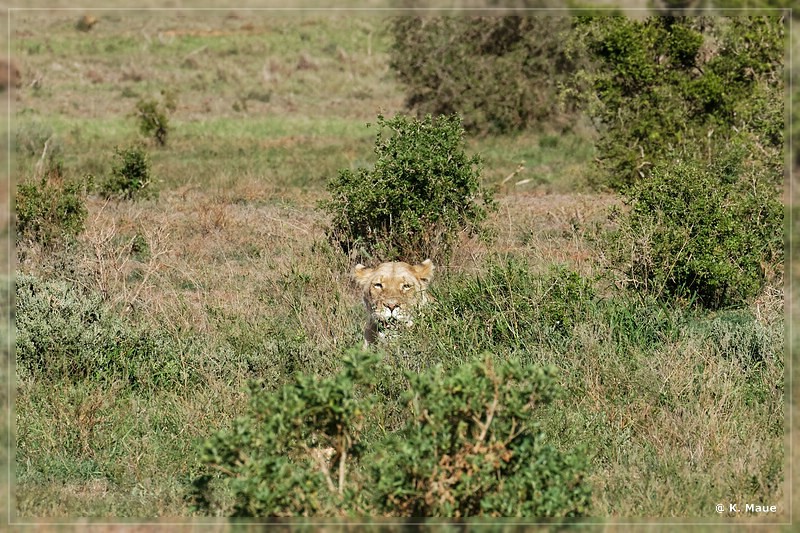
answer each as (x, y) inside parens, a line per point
(677, 410)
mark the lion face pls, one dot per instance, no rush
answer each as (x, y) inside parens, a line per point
(392, 291)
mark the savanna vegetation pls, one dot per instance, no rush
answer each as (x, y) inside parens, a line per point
(193, 189)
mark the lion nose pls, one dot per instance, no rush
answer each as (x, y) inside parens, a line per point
(391, 305)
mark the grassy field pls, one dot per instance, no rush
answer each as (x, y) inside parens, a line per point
(232, 277)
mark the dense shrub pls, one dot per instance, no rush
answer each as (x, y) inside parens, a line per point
(690, 111)
(473, 448)
(50, 210)
(703, 233)
(152, 117)
(64, 334)
(500, 73)
(668, 88)
(130, 175)
(294, 452)
(740, 336)
(421, 194)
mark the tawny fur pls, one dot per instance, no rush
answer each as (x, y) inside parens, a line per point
(392, 292)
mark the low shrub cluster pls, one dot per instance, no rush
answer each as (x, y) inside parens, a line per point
(508, 308)
(65, 334)
(470, 447)
(50, 207)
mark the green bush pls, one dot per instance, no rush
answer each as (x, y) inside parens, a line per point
(690, 111)
(64, 334)
(422, 193)
(702, 233)
(130, 175)
(474, 448)
(668, 88)
(294, 453)
(152, 117)
(305, 449)
(51, 211)
(501, 73)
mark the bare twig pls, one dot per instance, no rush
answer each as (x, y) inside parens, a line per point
(321, 457)
(489, 418)
(40, 165)
(519, 169)
(342, 462)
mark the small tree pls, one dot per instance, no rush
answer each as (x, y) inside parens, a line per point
(420, 195)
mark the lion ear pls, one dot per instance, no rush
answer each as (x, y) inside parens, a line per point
(424, 271)
(361, 273)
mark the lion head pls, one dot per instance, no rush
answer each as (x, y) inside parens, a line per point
(392, 292)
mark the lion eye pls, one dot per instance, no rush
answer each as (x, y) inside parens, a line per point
(406, 286)
(378, 285)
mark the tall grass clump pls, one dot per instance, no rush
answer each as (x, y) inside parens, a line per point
(509, 306)
(420, 196)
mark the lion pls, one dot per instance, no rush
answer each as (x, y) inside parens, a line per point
(392, 292)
